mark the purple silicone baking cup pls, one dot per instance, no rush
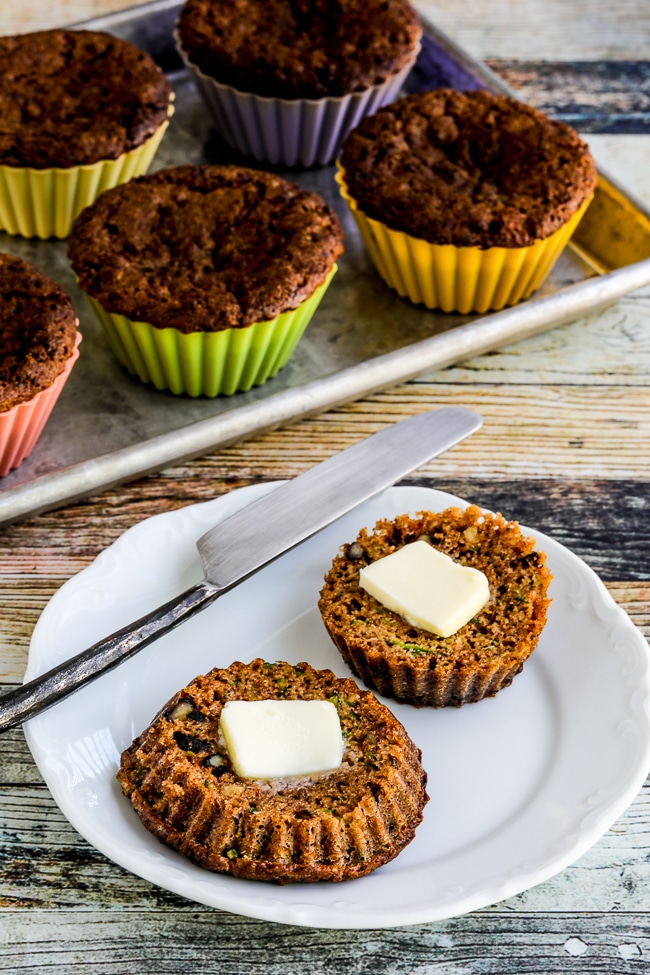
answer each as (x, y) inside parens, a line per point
(296, 132)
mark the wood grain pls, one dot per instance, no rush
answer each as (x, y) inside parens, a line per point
(564, 448)
(218, 944)
(603, 97)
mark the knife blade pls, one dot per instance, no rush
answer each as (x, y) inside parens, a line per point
(253, 537)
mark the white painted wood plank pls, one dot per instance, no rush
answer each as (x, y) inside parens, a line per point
(485, 943)
(544, 29)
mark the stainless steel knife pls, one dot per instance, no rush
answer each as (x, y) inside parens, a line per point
(256, 535)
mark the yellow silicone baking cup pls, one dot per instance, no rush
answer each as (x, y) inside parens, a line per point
(208, 363)
(459, 279)
(45, 202)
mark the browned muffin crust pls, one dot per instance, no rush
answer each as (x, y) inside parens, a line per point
(415, 666)
(298, 48)
(38, 328)
(470, 169)
(335, 826)
(204, 248)
(69, 98)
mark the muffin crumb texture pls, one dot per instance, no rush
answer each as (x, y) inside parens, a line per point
(38, 328)
(413, 665)
(333, 826)
(71, 98)
(299, 49)
(204, 248)
(469, 169)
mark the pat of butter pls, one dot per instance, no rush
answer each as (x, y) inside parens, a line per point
(426, 587)
(281, 739)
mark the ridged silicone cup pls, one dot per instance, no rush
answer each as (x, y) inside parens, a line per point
(45, 202)
(459, 279)
(22, 425)
(293, 132)
(208, 363)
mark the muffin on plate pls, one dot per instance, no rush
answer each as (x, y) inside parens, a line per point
(465, 200)
(38, 347)
(334, 825)
(285, 81)
(205, 277)
(414, 665)
(80, 111)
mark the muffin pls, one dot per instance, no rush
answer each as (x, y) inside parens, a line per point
(80, 111)
(465, 200)
(413, 665)
(205, 277)
(333, 826)
(285, 81)
(38, 347)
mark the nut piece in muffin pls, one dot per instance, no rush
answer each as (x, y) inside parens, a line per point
(79, 111)
(413, 665)
(284, 80)
(465, 199)
(205, 277)
(38, 347)
(334, 826)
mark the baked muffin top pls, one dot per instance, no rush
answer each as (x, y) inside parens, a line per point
(470, 169)
(204, 248)
(299, 48)
(70, 98)
(38, 328)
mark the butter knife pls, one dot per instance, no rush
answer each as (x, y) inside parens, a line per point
(254, 536)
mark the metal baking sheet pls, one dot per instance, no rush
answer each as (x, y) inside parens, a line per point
(108, 428)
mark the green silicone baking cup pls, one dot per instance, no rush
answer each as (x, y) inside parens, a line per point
(45, 202)
(208, 363)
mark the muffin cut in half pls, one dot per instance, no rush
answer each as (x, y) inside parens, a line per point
(465, 200)
(80, 111)
(332, 826)
(413, 665)
(205, 277)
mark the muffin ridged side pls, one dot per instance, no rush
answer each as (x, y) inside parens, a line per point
(334, 827)
(413, 665)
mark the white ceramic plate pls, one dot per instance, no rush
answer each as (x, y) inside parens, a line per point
(520, 784)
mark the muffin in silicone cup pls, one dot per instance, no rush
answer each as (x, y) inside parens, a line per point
(398, 659)
(285, 82)
(38, 348)
(205, 277)
(464, 200)
(82, 111)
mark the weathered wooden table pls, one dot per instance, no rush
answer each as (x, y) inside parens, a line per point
(564, 448)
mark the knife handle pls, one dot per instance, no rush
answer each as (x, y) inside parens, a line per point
(46, 690)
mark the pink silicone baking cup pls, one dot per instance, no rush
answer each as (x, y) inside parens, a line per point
(22, 425)
(292, 132)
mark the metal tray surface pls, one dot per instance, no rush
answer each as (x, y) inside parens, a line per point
(107, 427)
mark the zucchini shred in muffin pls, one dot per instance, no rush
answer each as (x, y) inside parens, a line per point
(203, 276)
(285, 80)
(465, 199)
(333, 826)
(80, 111)
(413, 665)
